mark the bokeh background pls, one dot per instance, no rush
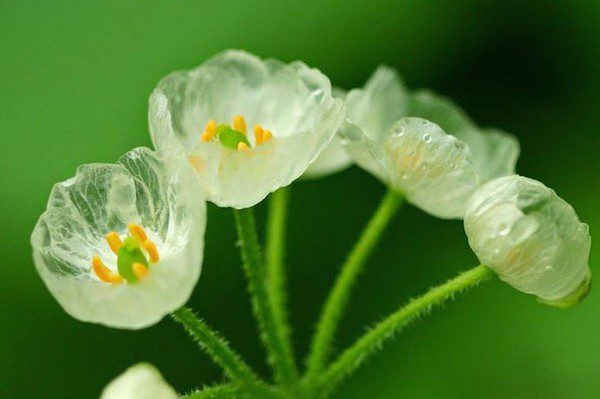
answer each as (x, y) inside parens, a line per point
(74, 83)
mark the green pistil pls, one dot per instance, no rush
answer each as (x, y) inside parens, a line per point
(230, 138)
(129, 254)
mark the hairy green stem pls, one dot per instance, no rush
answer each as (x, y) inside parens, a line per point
(353, 357)
(338, 297)
(225, 391)
(278, 354)
(220, 352)
(275, 253)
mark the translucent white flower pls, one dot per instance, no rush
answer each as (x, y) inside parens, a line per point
(532, 238)
(334, 158)
(121, 244)
(437, 161)
(142, 381)
(204, 115)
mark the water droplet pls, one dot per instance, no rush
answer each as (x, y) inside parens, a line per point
(503, 229)
(399, 131)
(496, 251)
(424, 122)
(424, 165)
(426, 137)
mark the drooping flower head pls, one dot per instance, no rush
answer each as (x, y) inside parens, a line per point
(247, 126)
(532, 238)
(121, 244)
(423, 144)
(142, 381)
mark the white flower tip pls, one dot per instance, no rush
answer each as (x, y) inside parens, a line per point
(532, 239)
(140, 381)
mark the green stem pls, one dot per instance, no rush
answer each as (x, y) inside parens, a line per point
(225, 391)
(353, 357)
(279, 356)
(220, 352)
(275, 252)
(338, 296)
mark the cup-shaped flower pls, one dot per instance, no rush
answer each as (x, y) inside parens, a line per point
(121, 244)
(142, 381)
(422, 144)
(334, 158)
(247, 126)
(531, 238)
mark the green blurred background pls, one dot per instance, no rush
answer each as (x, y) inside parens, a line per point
(74, 83)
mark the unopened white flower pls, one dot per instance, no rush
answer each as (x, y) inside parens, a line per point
(531, 238)
(247, 126)
(334, 158)
(121, 244)
(422, 144)
(142, 381)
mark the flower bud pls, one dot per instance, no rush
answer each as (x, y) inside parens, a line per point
(531, 238)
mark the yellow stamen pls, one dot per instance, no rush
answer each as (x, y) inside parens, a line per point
(138, 233)
(150, 247)
(267, 135)
(209, 131)
(114, 242)
(239, 124)
(140, 270)
(104, 273)
(258, 134)
(243, 147)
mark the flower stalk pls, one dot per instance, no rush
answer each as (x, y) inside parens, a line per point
(353, 357)
(351, 269)
(279, 354)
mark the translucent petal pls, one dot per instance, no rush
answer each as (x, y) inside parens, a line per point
(293, 101)
(334, 158)
(107, 197)
(380, 104)
(494, 152)
(137, 382)
(531, 237)
(434, 169)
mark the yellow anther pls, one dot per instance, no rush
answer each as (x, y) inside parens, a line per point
(209, 131)
(140, 270)
(239, 124)
(258, 134)
(267, 135)
(114, 242)
(104, 273)
(243, 147)
(150, 247)
(138, 233)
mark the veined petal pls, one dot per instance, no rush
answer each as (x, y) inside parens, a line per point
(494, 152)
(292, 101)
(379, 105)
(105, 198)
(142, 381)
(532, 238)
(334, 157)
(434, 169)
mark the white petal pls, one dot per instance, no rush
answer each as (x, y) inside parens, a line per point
(494, 152)
(380, 104)
(107, 197)
(293, 101)
(141, 381)
(434, 169)
(531, 237)
(334, 158)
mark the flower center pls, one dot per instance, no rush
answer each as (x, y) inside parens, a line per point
(234, 136)
(134, 254)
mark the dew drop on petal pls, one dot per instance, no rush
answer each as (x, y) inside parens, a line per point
(503, 229)
(399, 131)
(427, 138)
